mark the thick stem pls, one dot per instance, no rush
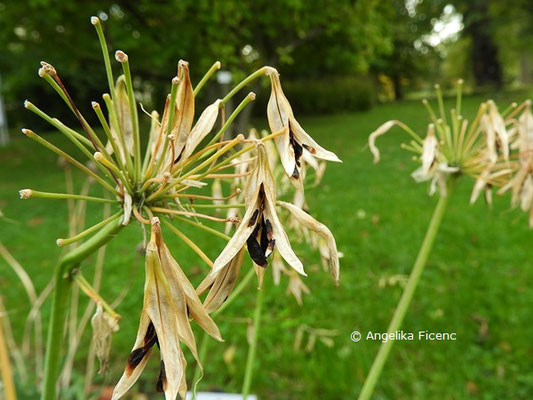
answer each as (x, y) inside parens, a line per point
(63, 285)
(248, 372)
(407, 296)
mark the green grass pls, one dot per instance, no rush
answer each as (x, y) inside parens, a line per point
(480, 266)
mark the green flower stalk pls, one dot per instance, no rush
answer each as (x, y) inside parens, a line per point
(153, 186)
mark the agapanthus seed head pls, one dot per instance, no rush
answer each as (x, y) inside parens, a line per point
(120, 56)
(25, 193)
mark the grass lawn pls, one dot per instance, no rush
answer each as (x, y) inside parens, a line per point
(480, 270)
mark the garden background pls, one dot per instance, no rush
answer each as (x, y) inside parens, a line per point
(347, 67)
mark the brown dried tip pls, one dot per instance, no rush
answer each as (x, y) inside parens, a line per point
(120, 56)
(95, 20)
(25, 193)
(27, 132)
(155, 221)
(175, 80)
(47, 68)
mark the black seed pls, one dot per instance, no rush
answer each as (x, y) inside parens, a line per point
(295, 173)
(134, 359)
(298, 150)
(256, 252)
(150, 338)
(268, 228)
(310, 149)
(264, 237)
(253, 220)
(162, 380)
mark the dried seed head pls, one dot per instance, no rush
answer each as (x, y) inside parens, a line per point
(121, 57)
(25, 193)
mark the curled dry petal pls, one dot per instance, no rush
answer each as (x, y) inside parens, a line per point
(429, 150)
(201, 129)
(128, 208)
(321, 230)
(221, 284)
(498, 125)
(184, 117)
(297, 288)
(377, 133)
(295, 141)
(104, 325)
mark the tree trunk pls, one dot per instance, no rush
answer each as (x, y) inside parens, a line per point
(486, 66)
(398, 91)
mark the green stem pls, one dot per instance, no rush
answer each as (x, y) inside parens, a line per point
(205, 338)
(134, 120)
(63, 285)
(243, 83)
(248, 372)
(407, 296)
(214, 67)
(250, 97)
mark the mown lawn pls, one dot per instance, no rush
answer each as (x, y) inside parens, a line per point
(480, 269)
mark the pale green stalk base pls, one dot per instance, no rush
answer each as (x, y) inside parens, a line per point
(405, 300)
(63, 285)
(248, 372)
(205, 339)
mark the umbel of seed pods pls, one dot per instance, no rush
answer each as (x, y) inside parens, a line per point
(150, 185)
(495, 149)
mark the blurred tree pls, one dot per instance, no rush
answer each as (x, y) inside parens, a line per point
(408, 57)
(302, 38)
(493, 27)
